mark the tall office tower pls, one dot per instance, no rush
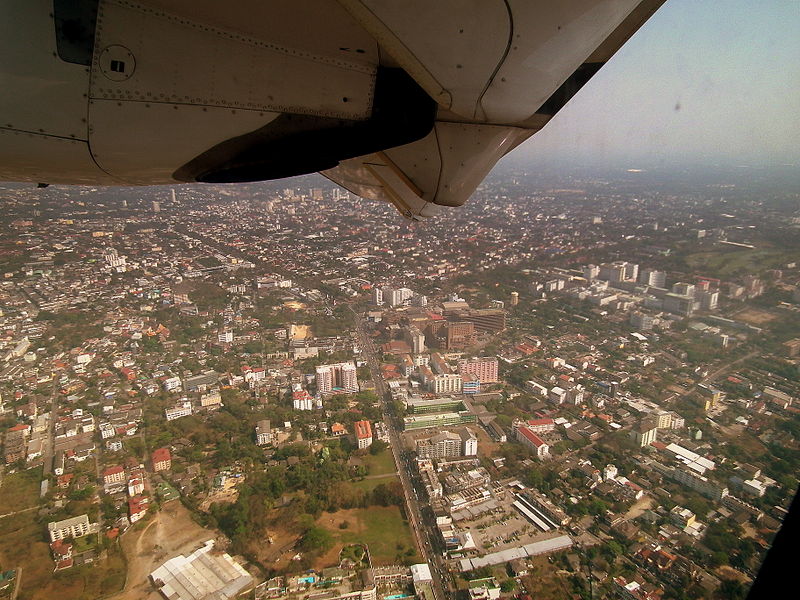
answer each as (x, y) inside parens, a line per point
(618, 271)
(613, 272)
(591, 272)
(416, 339)
(514, 298)
(631, 271)
(683, 289)
(339, 377)
(156, 206)
(708, 300)
(641, 321)
(653, 278)
(377, 296)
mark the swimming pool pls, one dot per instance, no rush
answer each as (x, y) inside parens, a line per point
(397, 597)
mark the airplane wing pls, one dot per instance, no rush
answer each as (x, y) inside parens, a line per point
(410, 102)
(499, 71)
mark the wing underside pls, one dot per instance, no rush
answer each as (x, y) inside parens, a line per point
(498, 71)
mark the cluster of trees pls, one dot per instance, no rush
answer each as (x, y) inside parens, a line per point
(322, 477)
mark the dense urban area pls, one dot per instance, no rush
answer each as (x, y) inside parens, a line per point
(575, 386)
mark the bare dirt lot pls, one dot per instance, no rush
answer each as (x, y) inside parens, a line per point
(754, 316)
(170, 532)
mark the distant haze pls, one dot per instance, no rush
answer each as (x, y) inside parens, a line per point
(710, 82)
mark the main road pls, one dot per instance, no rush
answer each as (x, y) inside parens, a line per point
(425, 536)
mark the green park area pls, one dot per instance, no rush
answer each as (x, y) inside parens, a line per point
(382, 528)
(738, 261)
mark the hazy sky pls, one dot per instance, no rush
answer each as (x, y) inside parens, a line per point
(703, 81)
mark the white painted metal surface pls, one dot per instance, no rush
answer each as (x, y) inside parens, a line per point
(489, 60)
(126, 145)
(33, 79)
(551, 40)
(225, 68)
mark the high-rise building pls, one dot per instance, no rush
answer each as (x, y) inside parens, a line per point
(447, 383)
(302, 400)
(708, 300)
(470, 384)
(591, 272)
(469, 443)
(653, 278)
(340, 377)
(514, 298)
(485, 319)
(444, 444)
(156, 206)
(678, 304)
(397, 297)
(683, 289)
(485, 368)
(416, 339)
(618, 271)
(644, 433)
(457, 335)
(642, 321)
(377, 296)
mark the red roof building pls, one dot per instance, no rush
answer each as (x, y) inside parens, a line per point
(114, 474)
(137, 508)
(162, 459)
(62, 554)
(532, 441)
(363, 434)
(541, 425)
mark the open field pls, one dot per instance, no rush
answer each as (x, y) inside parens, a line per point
(38, 581)
(727, 262)
(83, 582)
(382, 528)
(380, 464)
(20, 490)
(23, 531)
(370, 483)
(755, 316)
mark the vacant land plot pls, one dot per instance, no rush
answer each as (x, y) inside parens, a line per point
(20, 490)
(755, 316)
(543, 582)
(19, 532)
(382, 528)
(169, 533)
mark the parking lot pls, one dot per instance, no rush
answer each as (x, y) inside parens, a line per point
(504, 528)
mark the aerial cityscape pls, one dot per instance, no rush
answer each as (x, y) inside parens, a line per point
(579, 385)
